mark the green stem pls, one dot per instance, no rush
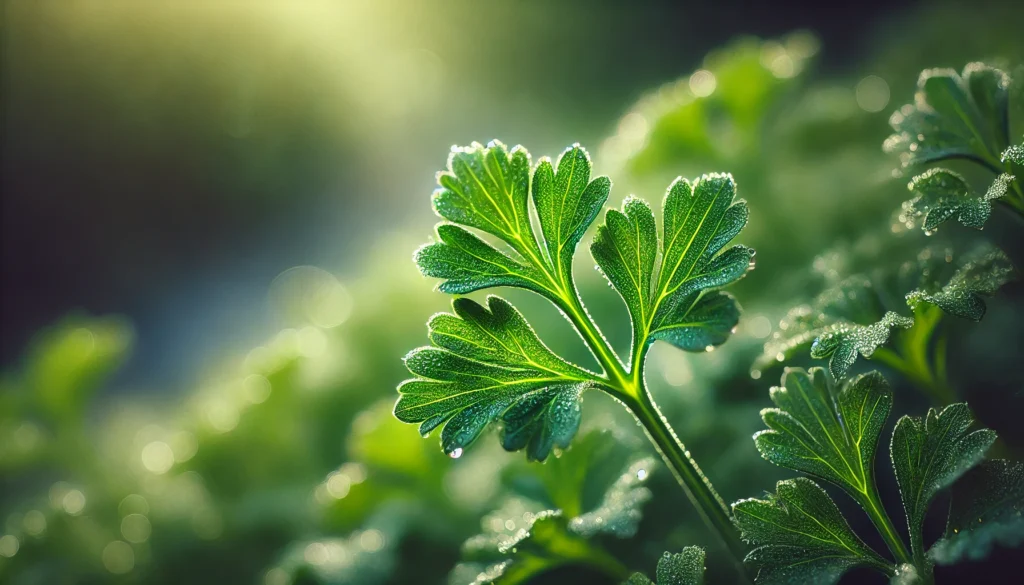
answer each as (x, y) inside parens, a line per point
(630, 389)
(872, 504)
(698, 488)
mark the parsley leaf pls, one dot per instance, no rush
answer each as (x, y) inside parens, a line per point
(833, 435)
(943, 195)
(981, 273)
(682, 568)
(844, 321)
(488, 363)
(929, 455)
(857, 315)
(677, 304)
(830, 437)
(800, 536)
(954, 116)
(987, 509)
(522, 539)
(487, 188)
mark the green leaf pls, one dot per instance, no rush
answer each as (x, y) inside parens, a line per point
(929, 455)
(1014, 153)
(682, 568)
(987, 509)
(953, 116)
(830, 436)
(487, 364)
(619, 511)
(844, 321)
(522, 540)
(943, 195)
(842, 342)
(675, 299)
(980, 274)
(567, 204)
(799, 536)
(488, 188)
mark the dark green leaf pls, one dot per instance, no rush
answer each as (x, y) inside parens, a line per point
(929, 455)
(844, 321)
(521, 540)
(675, 303)
(830, 436)
(681, 568)
(619, 511)
(953, 116)
(987, 509)
(488, 364)
(980, 274)
(943, 195)
(799, 536)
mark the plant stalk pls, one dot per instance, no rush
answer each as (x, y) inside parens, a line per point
(698, 488)
(630, 389)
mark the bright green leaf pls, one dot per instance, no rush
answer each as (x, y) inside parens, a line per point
(929, 455)
(799, 536)
(953, 116)
(488, 364)
(677, 302)
(487, 188)
(987, 509)
(681, 568)
(567, 203)
(829, 435)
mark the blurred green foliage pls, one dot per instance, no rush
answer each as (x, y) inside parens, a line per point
(285, 465)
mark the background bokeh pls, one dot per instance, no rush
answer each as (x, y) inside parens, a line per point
(208, 215)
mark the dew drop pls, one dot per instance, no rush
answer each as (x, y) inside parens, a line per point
(641, 474)
(456, 453)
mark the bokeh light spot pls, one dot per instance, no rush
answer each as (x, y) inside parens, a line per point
(703, 83)
(118, 557)
(136, 528)
(872, 93)
(157, 457)
(74, 502)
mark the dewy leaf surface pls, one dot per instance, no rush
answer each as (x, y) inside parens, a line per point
(953, 116)
(522, 540)
(980, 274)
(942, 194)
(676, 299)
(488, 364)
(488, 188)
(682, 568)
(844, 321)
(830, 437)
(987, 509)
(929, 455)
(799, 536)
